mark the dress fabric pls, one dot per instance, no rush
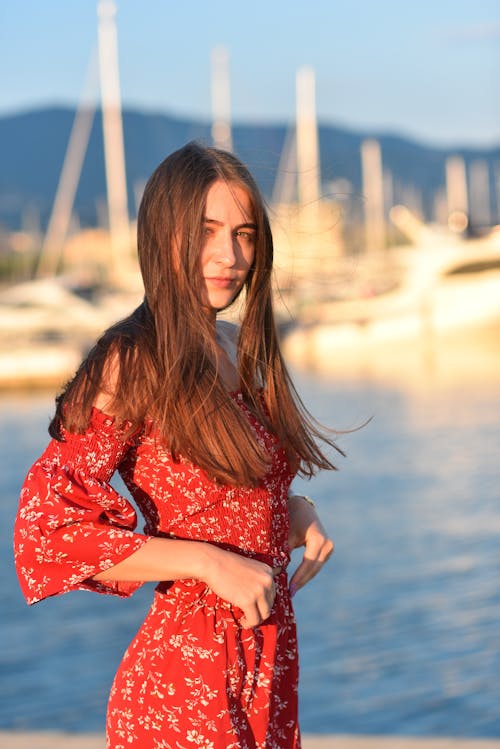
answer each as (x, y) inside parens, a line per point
(192, 676)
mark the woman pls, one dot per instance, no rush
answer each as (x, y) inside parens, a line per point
(203, 424)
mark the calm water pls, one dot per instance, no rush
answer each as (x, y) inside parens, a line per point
(401, 634)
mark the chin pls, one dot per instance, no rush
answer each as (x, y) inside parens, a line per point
(218, 304)
(220, 307)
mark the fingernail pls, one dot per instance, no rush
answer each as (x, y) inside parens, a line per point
(293, 589)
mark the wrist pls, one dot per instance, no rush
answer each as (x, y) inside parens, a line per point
(205, 561)
(189, 559)
(304, 497)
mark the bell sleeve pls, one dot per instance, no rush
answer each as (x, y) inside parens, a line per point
(71, 523)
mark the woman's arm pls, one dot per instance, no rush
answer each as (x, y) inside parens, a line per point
(243, 582)
(306, 529)
(71, 523)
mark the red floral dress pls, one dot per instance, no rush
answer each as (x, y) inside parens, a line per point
(192, 676)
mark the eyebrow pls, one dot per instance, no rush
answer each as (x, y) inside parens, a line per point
(248, 225)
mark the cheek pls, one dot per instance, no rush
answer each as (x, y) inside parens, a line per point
(205, 256)
(249, 257)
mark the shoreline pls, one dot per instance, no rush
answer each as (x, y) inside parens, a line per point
(58, 740)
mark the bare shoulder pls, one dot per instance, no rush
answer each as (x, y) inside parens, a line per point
(106, 395)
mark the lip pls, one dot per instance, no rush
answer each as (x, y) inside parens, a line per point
(223, 282)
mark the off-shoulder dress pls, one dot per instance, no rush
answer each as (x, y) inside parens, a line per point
(192, 676)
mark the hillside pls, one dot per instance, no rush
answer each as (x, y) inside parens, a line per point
(33, 143)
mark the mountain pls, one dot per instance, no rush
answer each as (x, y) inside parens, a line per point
(33, 144)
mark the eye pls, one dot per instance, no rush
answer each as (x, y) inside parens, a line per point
(248, 236)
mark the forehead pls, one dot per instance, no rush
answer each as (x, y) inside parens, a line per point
(229, 201)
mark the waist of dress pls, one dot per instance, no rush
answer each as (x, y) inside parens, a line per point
(181, 598)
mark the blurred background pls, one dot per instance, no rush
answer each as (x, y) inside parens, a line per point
(373, 130)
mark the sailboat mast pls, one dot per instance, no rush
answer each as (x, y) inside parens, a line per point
(456, 193)
(307, 140)
(221, 100)
(479, 177)
(114, 152)
(373, 193)
(57, 229)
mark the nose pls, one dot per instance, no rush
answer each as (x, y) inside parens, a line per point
(225, 252)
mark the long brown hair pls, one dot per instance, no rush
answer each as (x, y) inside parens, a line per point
(159, 363)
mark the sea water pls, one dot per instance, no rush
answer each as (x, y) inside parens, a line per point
(398, 634)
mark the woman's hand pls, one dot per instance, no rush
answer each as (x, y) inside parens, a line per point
(243, 582)
(306, 529)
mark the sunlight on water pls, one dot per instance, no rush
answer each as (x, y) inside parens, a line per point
(400, 634)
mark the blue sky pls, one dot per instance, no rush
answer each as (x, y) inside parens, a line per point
(428, 69)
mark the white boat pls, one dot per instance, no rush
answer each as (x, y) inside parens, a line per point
(449, 287)
(46, 328)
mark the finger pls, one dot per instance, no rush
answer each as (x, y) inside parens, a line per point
(306, 570)
(265, 606)
(268, 599)
(255, 615)
(251, 617)
(259, 610)
(319, 550)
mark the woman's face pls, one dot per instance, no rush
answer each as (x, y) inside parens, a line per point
(229, 246)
